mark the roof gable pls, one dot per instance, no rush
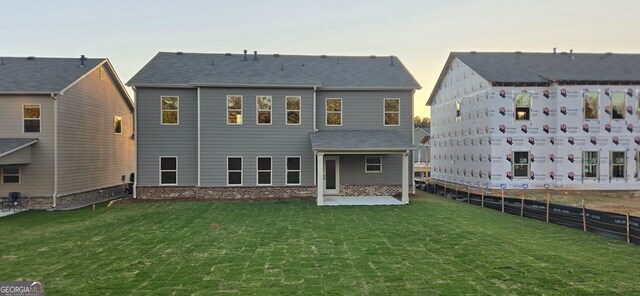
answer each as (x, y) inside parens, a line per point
(200, 69)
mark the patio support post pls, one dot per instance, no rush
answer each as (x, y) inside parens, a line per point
(405, 177)
(320, 176)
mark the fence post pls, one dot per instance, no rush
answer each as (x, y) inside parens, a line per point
(628, 230)
(522, 206)
(503, 200)
(584, 218)
(482, 204)
(547, 207)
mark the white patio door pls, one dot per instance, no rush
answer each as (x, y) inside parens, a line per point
(331, 175)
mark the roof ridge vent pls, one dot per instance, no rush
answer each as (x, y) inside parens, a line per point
(372, 56)
(518, 52)
(473, 52)
(391, 61)
(31, 58)
(571, 54)
(324, 56)
(255, 55)
(179, 53)
(245, 55)
(228, 54)
(276, 55)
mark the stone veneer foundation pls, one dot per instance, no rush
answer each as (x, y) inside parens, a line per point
(259, 192)
(75, 200)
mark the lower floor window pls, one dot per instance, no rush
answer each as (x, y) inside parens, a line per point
(11, 175)
(373, 164)
(293, 170)
(618, 160)
(264, 170)
(234, 170)
(590, 160)
(169, 170)
(521, 164)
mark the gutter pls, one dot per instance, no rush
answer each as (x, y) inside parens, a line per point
(55, 149)
(314, 109)
(135, 142)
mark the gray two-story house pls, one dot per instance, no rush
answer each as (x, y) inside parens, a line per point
(266, 126)
(66, 131)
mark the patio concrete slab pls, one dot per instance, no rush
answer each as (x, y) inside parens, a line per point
(10, 212)
(361, 201)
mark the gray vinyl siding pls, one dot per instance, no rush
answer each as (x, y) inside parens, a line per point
(36, 178)
(363, 110)
(352, 170)
(249, 140)
(90, 154)
(155, 139)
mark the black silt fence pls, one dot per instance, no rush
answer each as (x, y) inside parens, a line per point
(611, 225)
(606, 224)
(634, 229)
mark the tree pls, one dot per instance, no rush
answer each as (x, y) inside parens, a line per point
(422, 122)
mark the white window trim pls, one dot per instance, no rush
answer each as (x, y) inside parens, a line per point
(455, 106)
(384, 111)
(513, 164)
(241, 170)
(286, 112)
(270, 111)
(366, 169)
(624, 166)
(287, 170)
(584, 109)
(241, 110)
(168, 171)
(258, 171)
(114, 125)
(584, 159)
(177, 111)
(2, 174)
(326, 112)
(624, 110)
(40, 119)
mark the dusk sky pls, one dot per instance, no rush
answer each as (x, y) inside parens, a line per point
(420, 33)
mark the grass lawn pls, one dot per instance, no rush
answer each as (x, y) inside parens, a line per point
(433, 246)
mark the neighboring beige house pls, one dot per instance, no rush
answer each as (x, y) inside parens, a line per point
(66, 131)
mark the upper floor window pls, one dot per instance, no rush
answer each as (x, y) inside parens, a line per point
(591, 163)
(521, 164)
(391, 111)
(293, 170)
(333, 112)
(168, 170)
(591, 104)
(293, 110)
(618, 101)
(618, 162)
(373, 164)
(263, 109)
(170, 110)
(458, 110)
(31, 118)
(117, 124)
(264, 170)
(523, 106)
(11, 175)
(234, 109)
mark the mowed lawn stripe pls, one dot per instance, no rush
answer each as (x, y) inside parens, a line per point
(432, 246)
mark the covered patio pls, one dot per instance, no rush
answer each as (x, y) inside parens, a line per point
(332, 146)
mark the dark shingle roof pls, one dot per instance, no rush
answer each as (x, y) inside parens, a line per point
(359, 140)
(41, 75)
(545, 67)
(200, 69)
(8, 145)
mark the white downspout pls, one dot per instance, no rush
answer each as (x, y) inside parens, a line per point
(413, 139)
(314, 109)
(135, 141)
(55, 150)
